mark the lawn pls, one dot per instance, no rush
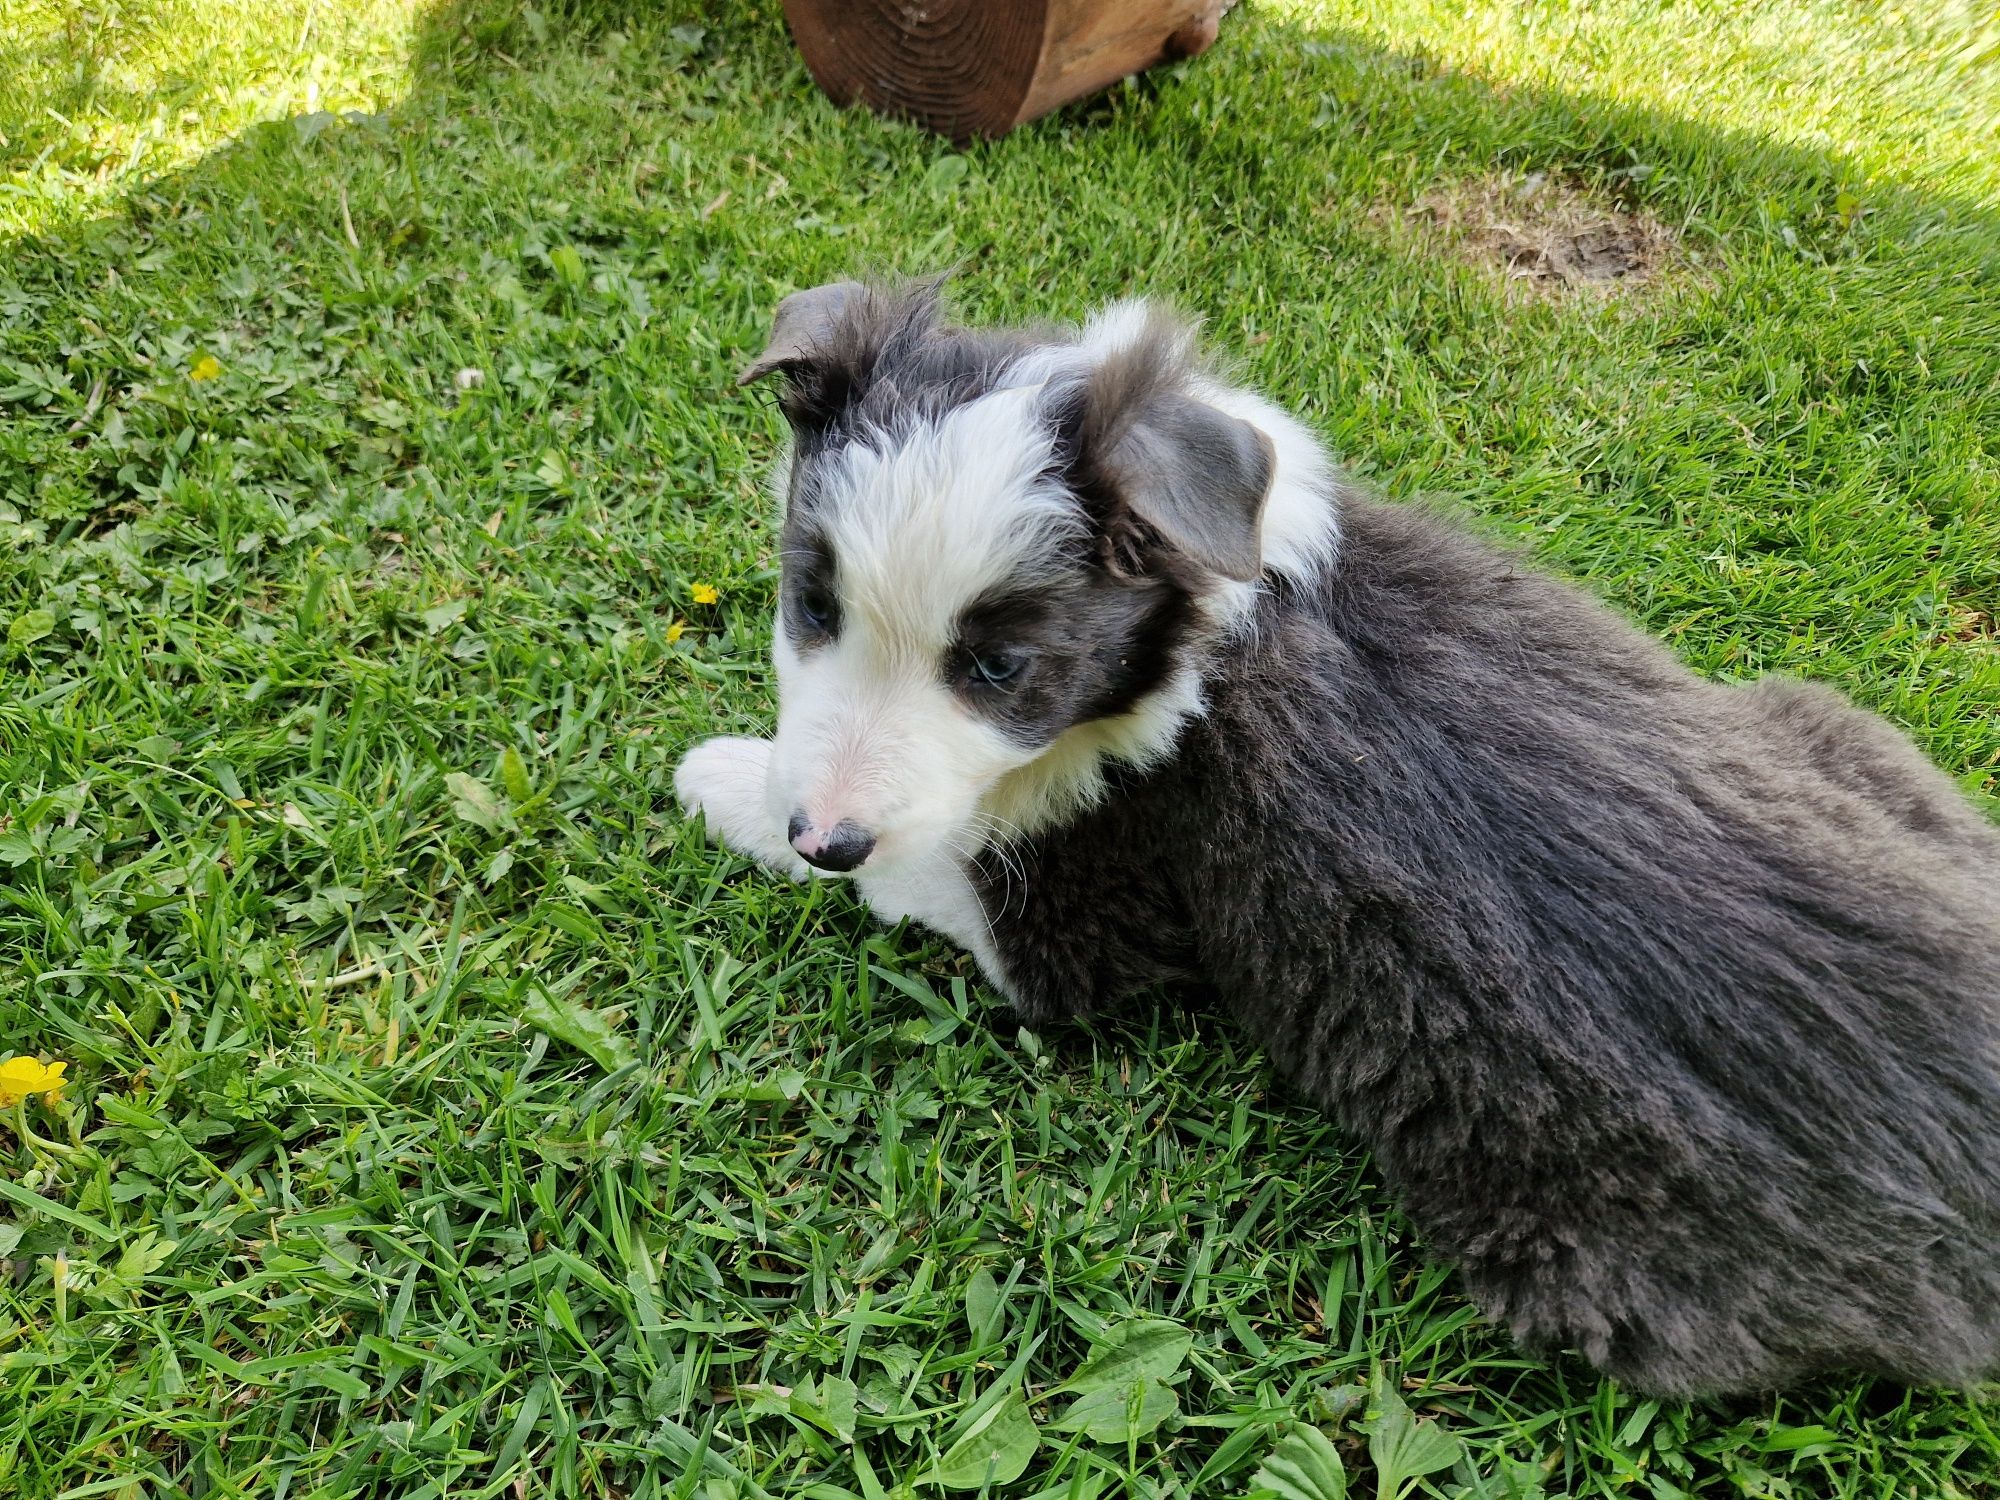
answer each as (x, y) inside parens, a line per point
(444, 1118)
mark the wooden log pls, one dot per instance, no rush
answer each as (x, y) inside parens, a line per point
(968, 68)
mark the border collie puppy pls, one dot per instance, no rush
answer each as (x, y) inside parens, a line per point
(1670, 1010)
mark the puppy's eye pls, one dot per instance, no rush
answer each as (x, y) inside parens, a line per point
(997, 667)
(816, 608)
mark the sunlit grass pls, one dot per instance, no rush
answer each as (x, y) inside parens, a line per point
(96, 95)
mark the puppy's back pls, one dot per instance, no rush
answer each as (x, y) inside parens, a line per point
(1724, 964)
(1671, 1009)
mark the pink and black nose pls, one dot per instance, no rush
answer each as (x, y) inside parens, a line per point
(841, 847)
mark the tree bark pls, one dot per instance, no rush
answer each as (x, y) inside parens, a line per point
(967, 68)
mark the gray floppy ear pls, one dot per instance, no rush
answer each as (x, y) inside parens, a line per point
(1154, 462)
(1197, 476)
(804, 322)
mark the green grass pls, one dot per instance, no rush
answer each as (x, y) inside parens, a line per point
(445, 1118)
(98, 95)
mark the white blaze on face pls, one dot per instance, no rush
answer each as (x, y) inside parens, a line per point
(870, 729)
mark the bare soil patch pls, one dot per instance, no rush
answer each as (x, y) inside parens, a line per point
(1543, 235)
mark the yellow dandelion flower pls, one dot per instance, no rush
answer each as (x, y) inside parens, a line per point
(705, 593)
(205, 368)
(22, 1076)
(675, 631)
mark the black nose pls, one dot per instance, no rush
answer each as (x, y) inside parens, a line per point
(845, 847)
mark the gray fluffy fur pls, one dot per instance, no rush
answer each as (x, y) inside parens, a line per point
(1671, 1010)
(1668, 1009)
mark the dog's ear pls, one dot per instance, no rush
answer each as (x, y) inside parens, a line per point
(803, 326)
(829, 341)
(1151, 459)
(1198, 477)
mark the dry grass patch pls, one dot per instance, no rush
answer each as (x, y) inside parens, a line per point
(1542, 235)
(1972, 626)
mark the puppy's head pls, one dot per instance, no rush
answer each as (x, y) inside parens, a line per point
(993, 542)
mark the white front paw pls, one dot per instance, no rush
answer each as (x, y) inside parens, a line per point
(723, 780)
(723, 775)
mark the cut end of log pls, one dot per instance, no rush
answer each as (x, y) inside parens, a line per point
(1196, 37)
(968, 68)
(960, 67)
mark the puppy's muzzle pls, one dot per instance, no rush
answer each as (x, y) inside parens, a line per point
(840, 848)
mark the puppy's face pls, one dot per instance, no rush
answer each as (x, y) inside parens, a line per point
(964, 578)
